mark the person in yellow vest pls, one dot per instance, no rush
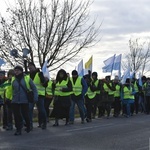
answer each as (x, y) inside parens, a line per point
(77, 97)
(20, 103)
(8, 99)
(48, 97)
(127, 96)
(2, 103)
(109, 89)
(96, 89)
(89, 98)
(62, 88)
(117, 98)
(136, 96)
(39, 80)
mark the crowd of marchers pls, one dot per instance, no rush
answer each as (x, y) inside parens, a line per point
(94, 97)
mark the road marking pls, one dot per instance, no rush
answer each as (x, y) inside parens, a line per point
(91, 127)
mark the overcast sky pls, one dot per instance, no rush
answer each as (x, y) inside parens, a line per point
(122, 20)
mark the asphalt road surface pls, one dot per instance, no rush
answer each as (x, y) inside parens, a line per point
(101, 134)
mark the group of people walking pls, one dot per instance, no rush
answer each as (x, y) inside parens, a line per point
(93, 97)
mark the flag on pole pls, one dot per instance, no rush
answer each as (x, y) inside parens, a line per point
(109, 64)
(45, 70)
(140, 80)
(126, 75)
(80, 68)
(117, 62)
(88, 64)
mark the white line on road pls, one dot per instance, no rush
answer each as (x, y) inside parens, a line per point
(91, 127)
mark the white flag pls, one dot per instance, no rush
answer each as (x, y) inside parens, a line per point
(45, 70)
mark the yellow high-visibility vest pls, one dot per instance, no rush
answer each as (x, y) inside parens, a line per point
(77, 86)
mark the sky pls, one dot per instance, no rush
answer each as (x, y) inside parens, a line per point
(121, 20)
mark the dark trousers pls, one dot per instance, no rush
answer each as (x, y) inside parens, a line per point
(21, 111)
(95, 105)
(3, 106)
(117, 106)
(148, 104)
(136, 99)
(47, 103)
(9, 114)
(89, 103)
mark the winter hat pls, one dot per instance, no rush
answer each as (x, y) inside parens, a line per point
(19, 68)
(95, 74)
(74, 72)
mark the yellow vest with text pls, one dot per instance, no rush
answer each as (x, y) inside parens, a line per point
(37, 82)
(77, 86)
(59, 87)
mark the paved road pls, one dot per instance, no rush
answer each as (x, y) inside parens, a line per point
(101, 134)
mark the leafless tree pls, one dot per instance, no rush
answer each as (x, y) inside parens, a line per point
(139, 57)
(56, 32)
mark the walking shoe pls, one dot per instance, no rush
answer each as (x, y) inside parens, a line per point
(55, 124)
(88, 120)
(27, 130)
(17, 133)
(82, 122)
(71, 122)
(43, 126)
(9, 128)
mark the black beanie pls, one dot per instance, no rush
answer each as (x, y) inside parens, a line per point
(95, 74)
(19, 68)
(74, 72)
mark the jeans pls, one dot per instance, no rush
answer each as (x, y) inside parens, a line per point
(128, 104)
(41, 111)
(80, 104)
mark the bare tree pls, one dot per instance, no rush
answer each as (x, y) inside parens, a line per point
(139, 57)
(57, 31)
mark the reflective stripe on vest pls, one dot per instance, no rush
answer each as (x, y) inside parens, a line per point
(49, 88)
(117, 91)
(37, 82)
(77, 86)
(59, 87)
(127, 93)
